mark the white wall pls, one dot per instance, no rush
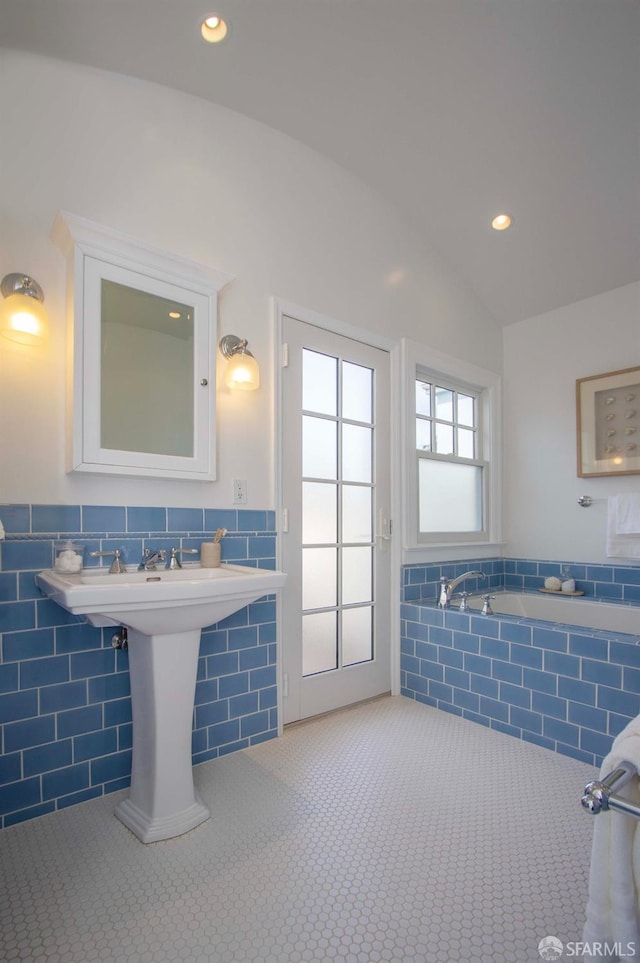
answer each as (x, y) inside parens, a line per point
(210, 185)
(543, 358)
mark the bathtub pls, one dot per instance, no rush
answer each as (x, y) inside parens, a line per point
(566, 610)
(562, 672)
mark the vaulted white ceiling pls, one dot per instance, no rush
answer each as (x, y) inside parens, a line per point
(454, 110)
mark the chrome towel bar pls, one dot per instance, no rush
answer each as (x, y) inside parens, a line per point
(599, 794)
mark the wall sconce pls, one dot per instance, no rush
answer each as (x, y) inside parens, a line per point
(242, 371)
(23, 317)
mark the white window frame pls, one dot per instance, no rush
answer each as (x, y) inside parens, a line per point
(422, 363)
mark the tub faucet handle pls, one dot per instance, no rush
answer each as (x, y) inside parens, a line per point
(486, 608)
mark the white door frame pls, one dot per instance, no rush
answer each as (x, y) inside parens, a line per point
(392, 346)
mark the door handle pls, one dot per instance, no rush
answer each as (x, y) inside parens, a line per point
(384, 527)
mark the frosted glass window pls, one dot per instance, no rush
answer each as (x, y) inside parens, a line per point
(319, 382)
(319, 642)
(423, 434)
(319, 578)
(357, 392)
(357, 635)
(423, 398)
(444, 404)
(319, 512)
(444, 439)
(450, 496)
(319, 447)
(356, 453)
(356, 514)
(357, 575)
(466, 411)
(466, 443)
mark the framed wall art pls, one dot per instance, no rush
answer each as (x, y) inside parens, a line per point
(608, 415)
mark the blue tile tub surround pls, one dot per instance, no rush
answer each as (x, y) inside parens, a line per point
(606, 583)
(568, 689)
(65, 708)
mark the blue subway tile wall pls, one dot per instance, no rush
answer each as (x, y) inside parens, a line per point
(606, 583)
(568, 689)
(65, 708)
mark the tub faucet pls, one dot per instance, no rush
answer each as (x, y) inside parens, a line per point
(447, 587)
(149, 559)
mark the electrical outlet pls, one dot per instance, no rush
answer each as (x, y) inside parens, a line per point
(239, 491)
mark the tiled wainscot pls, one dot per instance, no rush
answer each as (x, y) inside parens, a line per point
(65, 708)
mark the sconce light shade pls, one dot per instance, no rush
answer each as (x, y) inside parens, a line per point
(23, 317)
(243, 371)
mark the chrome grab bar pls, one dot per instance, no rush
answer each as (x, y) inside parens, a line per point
(599, 794)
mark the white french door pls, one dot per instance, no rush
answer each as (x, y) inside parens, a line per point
(336, 531)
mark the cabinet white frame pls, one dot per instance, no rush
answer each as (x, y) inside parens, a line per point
(94, 252)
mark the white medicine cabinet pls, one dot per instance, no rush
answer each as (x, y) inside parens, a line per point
(142, 325)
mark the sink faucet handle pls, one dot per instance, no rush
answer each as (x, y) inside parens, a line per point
(173, 561)
(117, 566)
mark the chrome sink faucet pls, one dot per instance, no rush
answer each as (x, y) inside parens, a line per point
(447, 587)
(149, 559)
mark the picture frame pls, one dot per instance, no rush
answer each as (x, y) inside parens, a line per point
(608, 423)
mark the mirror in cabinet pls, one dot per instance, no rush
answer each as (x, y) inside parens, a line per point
(142, 323)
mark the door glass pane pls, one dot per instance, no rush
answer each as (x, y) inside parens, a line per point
(319, 382)
(356, 514)
(444, 404)
(357, 575)
(444, 439)
(357, 635)
(319, 447)
(423, 398)
(319, 642)
(466, 443)
(319, 512)
(357, 392)
(423, 434)
(356, 453)
(319, 577)
(465, 410)
(450, 496)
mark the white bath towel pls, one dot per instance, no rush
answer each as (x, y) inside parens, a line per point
(623, 526)
(613, 911)
(627, 508)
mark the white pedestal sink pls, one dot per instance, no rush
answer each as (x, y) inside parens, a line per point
(164, 612)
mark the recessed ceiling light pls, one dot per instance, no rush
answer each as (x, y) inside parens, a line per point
(174, 314)
(501, 222)
(214, 29)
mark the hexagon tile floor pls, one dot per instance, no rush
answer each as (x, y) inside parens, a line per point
(388, 831)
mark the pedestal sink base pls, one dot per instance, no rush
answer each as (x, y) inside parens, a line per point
(151, 830)
(162, 800)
